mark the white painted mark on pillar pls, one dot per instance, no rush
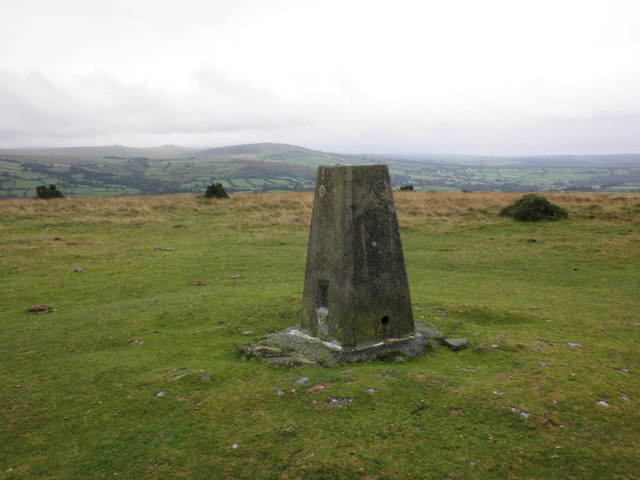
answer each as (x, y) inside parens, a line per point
(322, 190)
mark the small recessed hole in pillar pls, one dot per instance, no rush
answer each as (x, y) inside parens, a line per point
(384, 320)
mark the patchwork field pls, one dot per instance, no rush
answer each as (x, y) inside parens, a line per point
(267, 167)
(134, 372)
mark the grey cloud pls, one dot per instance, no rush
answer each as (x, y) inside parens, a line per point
(90, 105)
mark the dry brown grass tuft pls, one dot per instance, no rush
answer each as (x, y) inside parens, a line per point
(414, 208)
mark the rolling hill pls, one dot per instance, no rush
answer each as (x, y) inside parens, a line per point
(270, 167)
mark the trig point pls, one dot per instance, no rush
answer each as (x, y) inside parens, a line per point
(356, 293)
(356, 303)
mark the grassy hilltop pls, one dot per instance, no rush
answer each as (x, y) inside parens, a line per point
(134, 374)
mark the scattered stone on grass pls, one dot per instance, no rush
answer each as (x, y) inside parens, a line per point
(370, 390)
(495, 392)
(233, 277)
(604, 403)
(161, 394)
(623, 370)
(197, 282)
(278, 391)
(430, 330)
(624, 397)
(397, 359)
(205, 378)
(524, 415)
(234, 446)
(40, 308)
(339, 402)
(467, 369)
(302, 381)
(138, 342)
(247, 332)
(572, 344)
(160, 249)
(456, 344)
(181, 375)
(533, 307)
(317, 388)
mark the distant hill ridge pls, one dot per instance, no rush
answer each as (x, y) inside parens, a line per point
(267, 167)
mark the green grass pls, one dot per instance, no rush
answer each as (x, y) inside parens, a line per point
(79, 385)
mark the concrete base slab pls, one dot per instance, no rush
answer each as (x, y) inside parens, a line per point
(303, 349)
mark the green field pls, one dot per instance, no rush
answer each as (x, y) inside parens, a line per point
(135, 374)
(268, 167)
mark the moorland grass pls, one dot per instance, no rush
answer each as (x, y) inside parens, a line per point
(551, 311)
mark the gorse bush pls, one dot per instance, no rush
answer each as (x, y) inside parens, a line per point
(51, 191)
(216, 190)
(533, 208)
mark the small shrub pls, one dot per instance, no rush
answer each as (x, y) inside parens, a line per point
(51, 191)
(533, 208)
(406, 188)
(216, 190)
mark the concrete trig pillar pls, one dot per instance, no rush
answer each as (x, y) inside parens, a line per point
(356, 293)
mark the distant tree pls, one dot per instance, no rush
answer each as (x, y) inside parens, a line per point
(48, 192)
(215, 190)
(406, 188)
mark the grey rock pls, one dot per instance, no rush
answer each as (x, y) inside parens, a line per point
(205, 378)
(302, 381)
(278, 391)
(524, 415)
(339, 402)
(260, 350)
(456, 344)
(78, 270)
(429, 330)
(397, 359)
(572, 344)
(161, 394)
(233, 277)
(290, 361)
(604, 403)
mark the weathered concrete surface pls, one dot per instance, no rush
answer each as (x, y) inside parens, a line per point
(328, 353)
(356, 293)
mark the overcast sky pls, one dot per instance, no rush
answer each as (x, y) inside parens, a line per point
(398, 76)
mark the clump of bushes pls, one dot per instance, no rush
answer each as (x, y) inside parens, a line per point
(533, 208)
(216, 190)
(51, 191)
(406, 188)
